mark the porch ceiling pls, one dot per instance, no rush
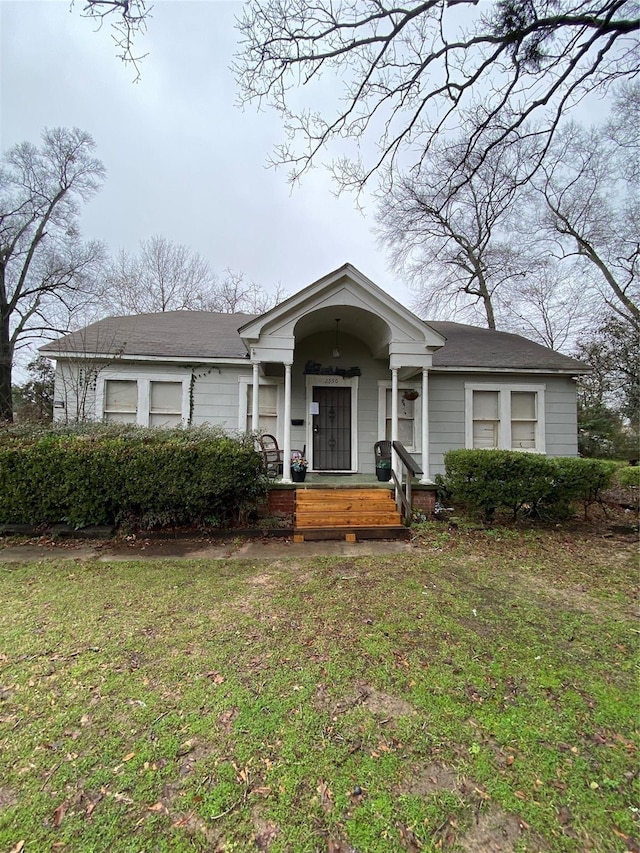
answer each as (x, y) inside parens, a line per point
(359, 323)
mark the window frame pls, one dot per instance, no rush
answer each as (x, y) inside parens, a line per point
(143, 410)
(246, 382)
(504, 391)
(385, 385)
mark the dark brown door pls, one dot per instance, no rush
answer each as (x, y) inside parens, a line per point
(332, 429)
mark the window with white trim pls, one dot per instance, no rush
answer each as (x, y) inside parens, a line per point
(505, 417)
(165, 404)
(155, 401)
(270, 397)
(408, 429)
(121, 401)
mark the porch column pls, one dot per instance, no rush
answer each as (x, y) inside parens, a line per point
(425, 427)
(286, 452)
(255, 409)
(394, 416)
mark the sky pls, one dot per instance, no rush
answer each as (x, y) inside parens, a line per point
(183, 160)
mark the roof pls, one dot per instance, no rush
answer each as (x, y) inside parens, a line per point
(169, 334)
(204, 335)
(475, 347)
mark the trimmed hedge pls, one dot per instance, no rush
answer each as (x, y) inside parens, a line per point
(524, 483)
(629, 476)
(138, 476)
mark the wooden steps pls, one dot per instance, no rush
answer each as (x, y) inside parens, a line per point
(347, 513)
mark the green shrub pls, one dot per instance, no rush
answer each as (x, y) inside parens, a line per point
(111, 475)
(524, 483)
(629, 476)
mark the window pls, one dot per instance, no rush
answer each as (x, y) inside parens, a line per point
(165, 404)
(508, 417)
(121, 401)
(267, 409)
(486, 418)
(406, 415)
(523, 420)
(146, 401)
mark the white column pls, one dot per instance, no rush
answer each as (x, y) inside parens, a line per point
(425, 426)
(255, 408)
(286, 453)
(394, 417)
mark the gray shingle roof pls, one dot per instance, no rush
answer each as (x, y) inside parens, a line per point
(170, 334)
(472, 346)
(206, 335)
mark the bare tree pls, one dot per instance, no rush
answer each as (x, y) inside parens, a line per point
(590, 204)
(127, 21)
(235, 293)
(548, 306)
(164, 276)
(445, 229)
(167, 276)
(46, 272)
(410, 75)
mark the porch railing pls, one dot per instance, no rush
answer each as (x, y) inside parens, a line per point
(408, 470)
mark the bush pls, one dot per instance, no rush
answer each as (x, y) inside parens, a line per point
(629, 477)
(110, 475)
(489, 480)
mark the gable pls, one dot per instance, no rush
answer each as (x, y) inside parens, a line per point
(350, 300)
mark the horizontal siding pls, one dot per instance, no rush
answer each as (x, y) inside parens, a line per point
(561, 417)
(216, 395)
(446, 418)
(447, 415)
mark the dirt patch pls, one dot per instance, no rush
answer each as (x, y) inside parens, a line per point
(434, 777)
(496, 831)
(7, 798)
(266, 831)
(364, 696)
(193, 825)
(261, 580)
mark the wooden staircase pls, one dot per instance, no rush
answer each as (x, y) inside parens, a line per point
(349, 514)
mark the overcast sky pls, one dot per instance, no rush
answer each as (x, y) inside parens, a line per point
(182, 159)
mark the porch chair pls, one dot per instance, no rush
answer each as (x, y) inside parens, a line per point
(272, 455)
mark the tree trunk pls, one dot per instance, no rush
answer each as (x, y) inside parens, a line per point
(6, 358)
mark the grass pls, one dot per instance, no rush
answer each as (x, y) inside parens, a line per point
(480, 690)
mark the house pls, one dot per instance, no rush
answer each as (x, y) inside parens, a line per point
(334, 368)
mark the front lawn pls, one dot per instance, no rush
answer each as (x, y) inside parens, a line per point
(477, 694)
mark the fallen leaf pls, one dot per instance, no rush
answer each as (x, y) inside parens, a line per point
(215, 677)
(409, 840)
(58, 814)
(326, 796)
(18, 848)
(185, 747)
(519, 795)
(156, 807)
(129, 756)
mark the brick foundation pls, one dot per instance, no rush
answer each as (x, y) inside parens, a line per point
(424, 500)
(281, 502)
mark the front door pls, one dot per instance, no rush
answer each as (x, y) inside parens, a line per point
(332, 429)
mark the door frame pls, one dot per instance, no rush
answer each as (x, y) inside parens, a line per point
(318, 380)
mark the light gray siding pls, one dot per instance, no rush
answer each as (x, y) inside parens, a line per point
(216, 395)
(219, 392)
(447, 411)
